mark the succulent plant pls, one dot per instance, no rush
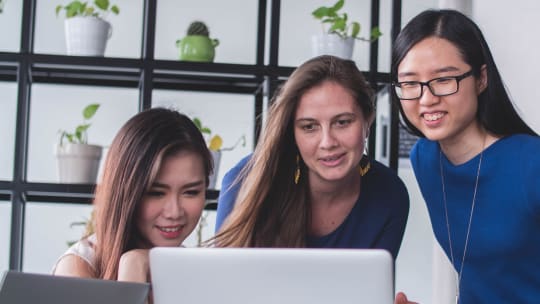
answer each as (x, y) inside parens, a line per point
(198, 28)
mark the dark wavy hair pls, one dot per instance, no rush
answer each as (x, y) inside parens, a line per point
(496, 113)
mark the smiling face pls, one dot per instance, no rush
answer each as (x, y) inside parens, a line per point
(449, 118)
(172, 207)
(330, 132)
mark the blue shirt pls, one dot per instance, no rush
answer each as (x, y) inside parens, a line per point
(502, 262)
(377, 220)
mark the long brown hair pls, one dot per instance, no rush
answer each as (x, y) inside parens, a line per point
(132, 164)
(271, 210)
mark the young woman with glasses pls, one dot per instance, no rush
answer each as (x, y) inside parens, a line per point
(477, 161)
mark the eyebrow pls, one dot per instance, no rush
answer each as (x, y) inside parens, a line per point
(307, 119)
(188, 185)
(441, 70)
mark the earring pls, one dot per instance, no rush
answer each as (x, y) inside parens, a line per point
(297, 171)
(363, 170)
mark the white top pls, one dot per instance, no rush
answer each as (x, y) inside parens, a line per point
(83, 249)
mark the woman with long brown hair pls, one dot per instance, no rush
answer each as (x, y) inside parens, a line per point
(308, 182)
(152, 194)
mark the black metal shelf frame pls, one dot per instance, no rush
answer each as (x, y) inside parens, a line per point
(146, 74)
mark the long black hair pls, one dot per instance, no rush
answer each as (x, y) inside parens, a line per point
(496, 113)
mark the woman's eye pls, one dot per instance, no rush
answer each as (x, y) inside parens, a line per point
(343, 122)
(155, 193)
(408, 85)
(443, 80)
(193, 192)
(308, 127)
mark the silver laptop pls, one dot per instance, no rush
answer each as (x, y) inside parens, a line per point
(22, 288)
(271, 276)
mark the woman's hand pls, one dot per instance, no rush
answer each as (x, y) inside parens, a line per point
(134, 266)
(401, 298)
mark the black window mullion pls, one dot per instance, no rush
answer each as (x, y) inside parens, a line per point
(394, 115)
(21, 136)
(147, 54)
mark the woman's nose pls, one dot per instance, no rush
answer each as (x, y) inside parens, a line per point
(427, 98)
(328, 140)
(173, 208)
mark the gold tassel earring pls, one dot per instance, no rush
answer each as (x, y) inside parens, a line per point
(367, 164)
(297, 171)
(363, 170)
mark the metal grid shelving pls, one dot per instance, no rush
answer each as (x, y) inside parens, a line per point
(146, 74)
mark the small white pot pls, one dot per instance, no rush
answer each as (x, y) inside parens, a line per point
(87, 36)
(78, 163)
(332, 44)
(216, 155)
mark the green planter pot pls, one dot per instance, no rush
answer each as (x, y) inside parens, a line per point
(197, 48)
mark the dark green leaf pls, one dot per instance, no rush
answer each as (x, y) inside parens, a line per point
(82, 128)
(339, 25)
(375, 33)
(73, 8)
(197, 122)
(206, 130)
(78, 135)
(90, 110)
(115, 9)
(328, 20)
(321, 12)
(102, 4)
(355, 29)
(338, 5)
(82, 9)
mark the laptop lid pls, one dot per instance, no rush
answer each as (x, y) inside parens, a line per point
(270, 276)
(22, 288)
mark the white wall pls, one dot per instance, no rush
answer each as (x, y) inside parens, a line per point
(510, 30)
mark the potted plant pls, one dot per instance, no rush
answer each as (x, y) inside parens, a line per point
(78, 161)
(197, 44)
(215, 145)
(339, 33)
(86, 29)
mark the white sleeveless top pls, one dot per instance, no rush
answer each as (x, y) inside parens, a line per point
(83, 249)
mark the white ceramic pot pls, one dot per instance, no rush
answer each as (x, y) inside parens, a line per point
(332, 44)
(78, 163)
(87, 36)
(216, 155)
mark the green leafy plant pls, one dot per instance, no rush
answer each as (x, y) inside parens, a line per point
(215, 142)
(80, 135)
(99, 8)
(337, 23)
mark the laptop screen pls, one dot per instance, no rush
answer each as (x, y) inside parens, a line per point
(270, 276)
(20, 287)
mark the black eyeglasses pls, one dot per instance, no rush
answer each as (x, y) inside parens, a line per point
(442, 86)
